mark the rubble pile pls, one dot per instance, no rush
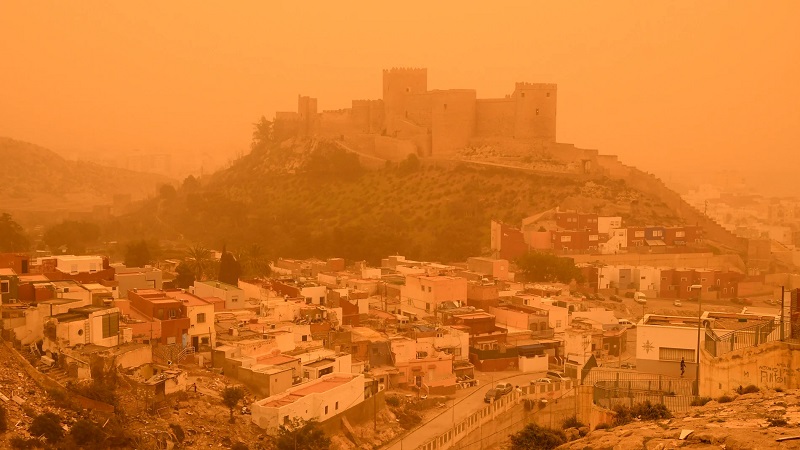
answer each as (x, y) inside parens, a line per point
(762, 420)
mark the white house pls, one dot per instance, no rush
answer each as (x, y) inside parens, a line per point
(95, 325)
(233, 296)
(617, 241)
(606, 224)
(319, 400)
(427, 292)
(202, 331)
(79, 264)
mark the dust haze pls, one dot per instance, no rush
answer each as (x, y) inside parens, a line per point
(668, 87)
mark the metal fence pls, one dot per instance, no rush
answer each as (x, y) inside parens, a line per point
(608, 396)
(718, 345)
(629, 379)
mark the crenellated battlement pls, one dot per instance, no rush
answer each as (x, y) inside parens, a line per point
(406, 70)
(521, 85)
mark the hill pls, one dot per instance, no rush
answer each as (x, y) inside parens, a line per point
(311, 198)
(37, 179)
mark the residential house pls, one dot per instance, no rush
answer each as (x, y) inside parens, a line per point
(85, 325)
(233, 296)
(318, 400)
(202, 333)
(128, 278)
(9, 286)
(157, 313)
(428, 292)
(490, 267)
(422, 365)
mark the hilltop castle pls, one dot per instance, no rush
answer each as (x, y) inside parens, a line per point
(433, 123)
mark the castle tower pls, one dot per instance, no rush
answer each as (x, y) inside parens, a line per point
(308, 118)
(535, 111)
(398, 85)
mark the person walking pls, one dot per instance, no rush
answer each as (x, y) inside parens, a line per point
(683, 366)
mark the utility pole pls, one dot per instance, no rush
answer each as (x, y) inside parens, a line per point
(698, 288)
(783, 295)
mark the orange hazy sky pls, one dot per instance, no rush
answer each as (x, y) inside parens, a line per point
(663, 84)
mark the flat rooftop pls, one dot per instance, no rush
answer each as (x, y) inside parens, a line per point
(7, 272)
(314, 387)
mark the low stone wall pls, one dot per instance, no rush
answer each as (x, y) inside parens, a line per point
(771, 365)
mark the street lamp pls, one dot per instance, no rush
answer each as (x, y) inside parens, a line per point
(698, 288)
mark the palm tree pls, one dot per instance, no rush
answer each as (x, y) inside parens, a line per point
(200, 260)
(254, 261)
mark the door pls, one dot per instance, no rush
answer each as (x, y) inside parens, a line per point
(195, 342)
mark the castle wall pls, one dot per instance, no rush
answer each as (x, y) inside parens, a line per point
(307, 112)
(495, 117)
(335, 124)
(535, 111)
(452, 120)
(393, 149)
(368, 116)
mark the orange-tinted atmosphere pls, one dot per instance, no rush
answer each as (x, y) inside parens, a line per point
(665, 85)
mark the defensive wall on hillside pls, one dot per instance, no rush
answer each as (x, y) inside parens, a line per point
(436, 122)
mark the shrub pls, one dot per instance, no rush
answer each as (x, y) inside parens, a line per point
(642, 411)
(749, 389)
(725, 399)
(85, 432)
(572, 422)
(177, 430)
(777, 421)
(47, 425)
(3, 419)
(534, 437)
(393, 401)
(407, 418)
(602, 426)
(18, 443)
(700, 401)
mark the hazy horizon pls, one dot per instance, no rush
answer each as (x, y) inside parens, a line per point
(665, 86)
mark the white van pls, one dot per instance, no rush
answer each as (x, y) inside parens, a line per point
(639, 297)
(626, 323)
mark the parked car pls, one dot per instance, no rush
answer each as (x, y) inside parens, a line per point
(676, 303)
(741, 301)
(627, 366)
(557, 376)
(615, 298)
(492, 395)
(504, 388)
(542, 381)
(639, 297)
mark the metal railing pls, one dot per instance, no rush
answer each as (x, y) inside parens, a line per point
(718, 345)
(608, 395)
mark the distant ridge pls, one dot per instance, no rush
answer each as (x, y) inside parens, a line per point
(33, 178)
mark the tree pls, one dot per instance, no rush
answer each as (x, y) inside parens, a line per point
(254, 262)
(185, 276)
(534, 437)
(137, 254)
(262, 133)
(75, 236)
(229, 268)
(12, 237)
(301, 435)
(47, 425)
(200, 260)
(231, 396)
(536, 266)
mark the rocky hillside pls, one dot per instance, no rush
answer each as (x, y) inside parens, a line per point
(750, 421)
(305, 198)
(34, 178)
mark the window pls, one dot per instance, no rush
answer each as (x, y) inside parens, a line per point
(566, 238)
(201, 318)
(235, 299)
(422, 288)
(5, 287)
(160, 314)
(558, 324)
(658, 233)
(326, 409)
(336, 406)
(522, 94)
(457, 351)
(680, 234)
(683, 278)
(322, 300)
(304, 338)
(172, 314)
(675, 354)
(592, 237)
(429, 289)
(204, 341)
(110, 325)
(548, 94)
(638, 234)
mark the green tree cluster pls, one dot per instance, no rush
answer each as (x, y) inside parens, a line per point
(12, 237)
(74, 235)
(534, 437)
(545, 267)
(137, 254)
(301, 435)
(231, 396)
